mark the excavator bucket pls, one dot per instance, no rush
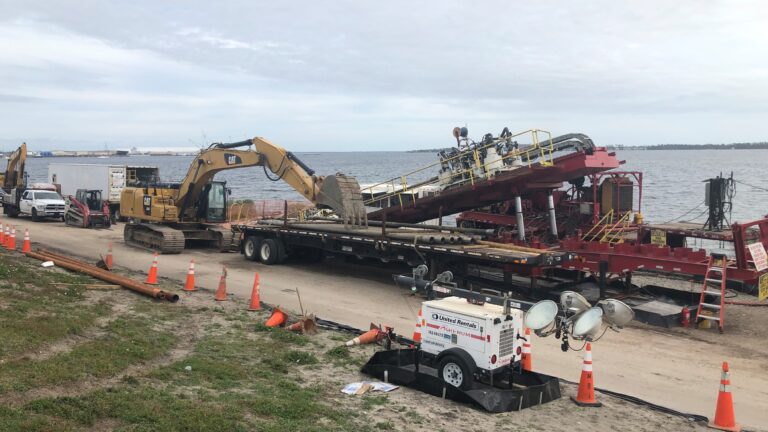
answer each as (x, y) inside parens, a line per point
(342, 194)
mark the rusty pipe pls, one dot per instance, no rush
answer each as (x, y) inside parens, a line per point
(93, 271)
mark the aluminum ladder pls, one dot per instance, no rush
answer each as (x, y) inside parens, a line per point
(715, 274)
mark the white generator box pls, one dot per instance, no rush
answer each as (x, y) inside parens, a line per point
(488, 335)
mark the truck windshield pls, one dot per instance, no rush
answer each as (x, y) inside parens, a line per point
(216, 203)
(47, 195)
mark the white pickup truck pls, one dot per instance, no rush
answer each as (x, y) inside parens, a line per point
(41, 204)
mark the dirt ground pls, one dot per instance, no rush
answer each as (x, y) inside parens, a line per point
(675, 368)
(222, 369)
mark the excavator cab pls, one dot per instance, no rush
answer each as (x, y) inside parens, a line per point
(213, 205)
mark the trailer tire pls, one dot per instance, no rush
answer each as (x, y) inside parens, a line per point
(269, 252)
(251, 246)
(454, 370)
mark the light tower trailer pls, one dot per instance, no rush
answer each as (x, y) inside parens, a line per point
(464, 339)
(470, 351)
(468, 334)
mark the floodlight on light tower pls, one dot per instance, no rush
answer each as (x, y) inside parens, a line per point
(587, 325)
(574, 302)
(616, 313)
(541, 317)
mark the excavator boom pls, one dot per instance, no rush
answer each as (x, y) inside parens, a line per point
(337, 192)
(14, 173)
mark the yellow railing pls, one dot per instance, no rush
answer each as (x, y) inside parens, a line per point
(396, 187)
(614, 234)
(599, 227)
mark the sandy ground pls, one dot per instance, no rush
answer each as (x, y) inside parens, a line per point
(675, 368)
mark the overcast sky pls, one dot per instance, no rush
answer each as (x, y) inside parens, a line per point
(357, 75)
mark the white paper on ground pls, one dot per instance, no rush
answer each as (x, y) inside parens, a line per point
(351, 388)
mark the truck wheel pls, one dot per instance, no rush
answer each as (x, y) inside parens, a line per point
(268, 252)
(35, 217)
(251, 248)
(454, 371)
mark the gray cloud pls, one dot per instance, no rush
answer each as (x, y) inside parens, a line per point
(340, 75)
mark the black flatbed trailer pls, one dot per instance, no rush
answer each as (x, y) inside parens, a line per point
(273, 241)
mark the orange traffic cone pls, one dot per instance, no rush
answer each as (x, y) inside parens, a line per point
(417, 331)
(221, 292)
(152, 276)
(725, 419)
(307, 325)
(586, 394)
(7, 236)
(190, 284)
(526, 357)
(373, 335)
(12, 241)
(255, 298)
(26, 246)
(109, 261)
(2, 234)
(277, 319)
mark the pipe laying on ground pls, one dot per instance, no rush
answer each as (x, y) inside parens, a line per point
(91, 270)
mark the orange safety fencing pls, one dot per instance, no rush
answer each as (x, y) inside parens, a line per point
(247, 211)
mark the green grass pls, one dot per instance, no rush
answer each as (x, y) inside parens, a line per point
(35, 310)
(128, 341)
(238, 376)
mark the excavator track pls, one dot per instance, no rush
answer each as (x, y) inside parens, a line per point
(226, 243)
(163, 239)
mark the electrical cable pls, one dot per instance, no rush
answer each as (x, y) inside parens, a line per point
(750, 185)
(685, 214)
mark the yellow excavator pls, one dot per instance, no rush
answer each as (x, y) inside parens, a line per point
(13, 181)
(163, 217)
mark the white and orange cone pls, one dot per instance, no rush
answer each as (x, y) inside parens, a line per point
(417, 331)
(585, 397)
(109, 261)
(725, 418)
(26, 246)
(2, 234)
(190, 283)
(152, 276)
(12, 241)
(526, 357)
(375, 334)
(221, 291)
(255, 296)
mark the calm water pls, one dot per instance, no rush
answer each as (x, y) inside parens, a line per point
(672, 179)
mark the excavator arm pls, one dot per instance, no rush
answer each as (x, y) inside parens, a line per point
(14, 173)
(337, 192)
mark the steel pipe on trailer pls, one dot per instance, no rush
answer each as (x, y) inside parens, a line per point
(93, 271)
(476, 231)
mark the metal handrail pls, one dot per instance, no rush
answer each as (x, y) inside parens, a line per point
(544, 151)
(603, 222)
(611, 235)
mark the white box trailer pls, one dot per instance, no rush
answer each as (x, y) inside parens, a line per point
(109, 179)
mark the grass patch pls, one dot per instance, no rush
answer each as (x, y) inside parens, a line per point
(145, 409)
(128, 341)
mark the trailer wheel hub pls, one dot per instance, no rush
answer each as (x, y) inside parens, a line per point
(453, 375)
